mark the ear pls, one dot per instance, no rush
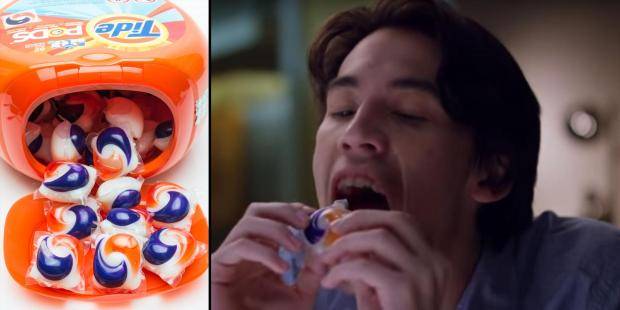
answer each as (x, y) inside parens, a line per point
(489, 181)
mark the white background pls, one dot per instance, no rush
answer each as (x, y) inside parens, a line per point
(192, 172)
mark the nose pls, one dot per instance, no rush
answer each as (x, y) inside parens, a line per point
(364, 137)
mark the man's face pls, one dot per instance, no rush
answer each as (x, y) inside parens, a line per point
(385, 141)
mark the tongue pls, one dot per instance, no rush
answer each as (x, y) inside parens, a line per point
(365, 198)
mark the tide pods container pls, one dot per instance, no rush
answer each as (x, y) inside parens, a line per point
(55, 53)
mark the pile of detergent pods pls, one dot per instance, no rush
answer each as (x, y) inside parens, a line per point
(64, 127)
(105, 227)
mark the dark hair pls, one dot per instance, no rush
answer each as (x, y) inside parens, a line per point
(480, 86)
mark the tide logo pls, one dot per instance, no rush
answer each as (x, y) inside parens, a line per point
(127, 30)
(20, 19)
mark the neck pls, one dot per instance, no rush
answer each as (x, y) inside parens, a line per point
(462, 250)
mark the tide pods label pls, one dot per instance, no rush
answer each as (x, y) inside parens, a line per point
(57, 27)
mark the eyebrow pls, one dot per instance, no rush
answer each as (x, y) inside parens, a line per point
(342, 81)
(404, 83)
(415, 83)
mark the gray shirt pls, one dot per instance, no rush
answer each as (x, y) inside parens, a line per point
(557, 263)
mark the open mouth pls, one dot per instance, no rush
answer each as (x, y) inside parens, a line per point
(361, 194)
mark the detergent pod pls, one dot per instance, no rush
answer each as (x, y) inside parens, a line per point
(122, 192)
(34, 138)
(124, 113)
(117, 264)
(316, 236)
(87, 158)
(82, 109)
(68, 142)
(132, 221)
(44, 154)
(44, 112)
(169, 251)
(38, 138)
(114, 153)
(318, 233)
(67, 182)
(163, 133)
(57, 262)
(77, 220)
(169, 205)
(145, 143)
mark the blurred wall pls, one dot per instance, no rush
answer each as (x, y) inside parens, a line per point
(263, 115)
(569, 52)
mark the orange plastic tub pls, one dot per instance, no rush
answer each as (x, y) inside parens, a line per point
(56, 47)
(141, 45)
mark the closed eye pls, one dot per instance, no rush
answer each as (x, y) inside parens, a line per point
(342, 114)
(409, 117)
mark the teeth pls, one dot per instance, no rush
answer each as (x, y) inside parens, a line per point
(356, 182)
(359, 183)
(374, 189)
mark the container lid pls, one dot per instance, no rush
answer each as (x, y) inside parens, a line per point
(27, 216)
(61, 28)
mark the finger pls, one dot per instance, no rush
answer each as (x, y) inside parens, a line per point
(313, 261)
(365, 296)
(400, 223)
(251, 251)
(370, 273)
(379, 242)
(309, 280)
(307, 209)
(293, 214)
(388, 284)
(267, 229)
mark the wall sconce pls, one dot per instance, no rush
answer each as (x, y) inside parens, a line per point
(583, 124)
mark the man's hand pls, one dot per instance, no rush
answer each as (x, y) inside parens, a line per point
(246, 268)
(382, 259)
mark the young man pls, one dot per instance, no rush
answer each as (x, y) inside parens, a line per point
(431, 131)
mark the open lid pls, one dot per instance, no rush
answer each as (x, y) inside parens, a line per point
(26, 217)
(37, 31)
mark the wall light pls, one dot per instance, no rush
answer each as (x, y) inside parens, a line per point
(583, 124)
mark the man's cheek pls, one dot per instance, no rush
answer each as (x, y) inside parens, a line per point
(318, 171)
